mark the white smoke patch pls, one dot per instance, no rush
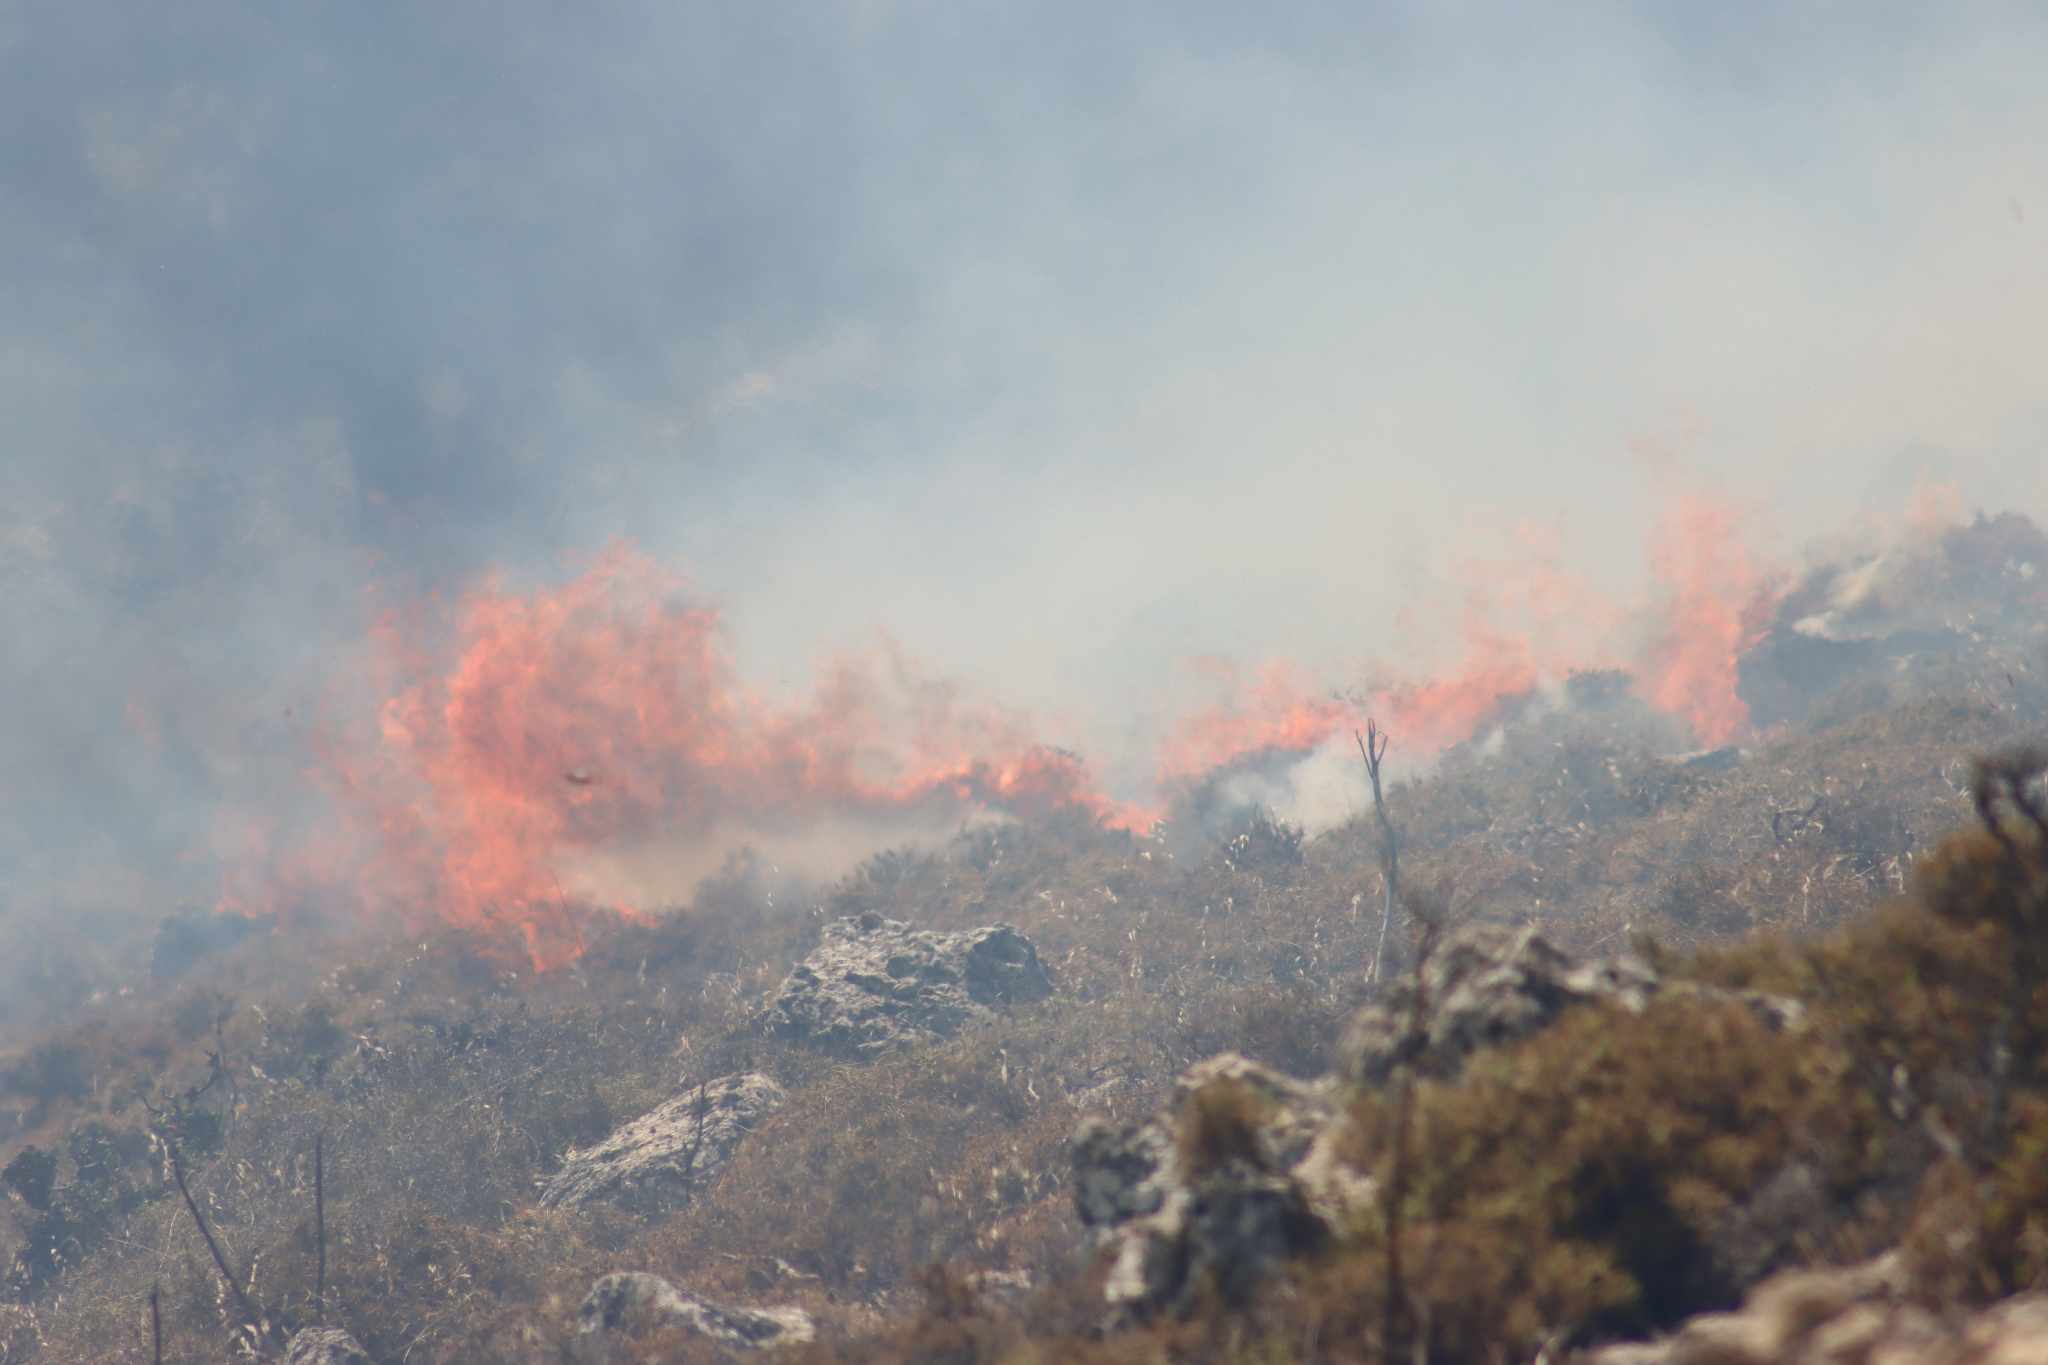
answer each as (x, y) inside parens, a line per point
(665, 871)
(956, 341)
(1319, 791)
(1327, 787)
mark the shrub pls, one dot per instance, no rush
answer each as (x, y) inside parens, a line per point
(1218, 1124)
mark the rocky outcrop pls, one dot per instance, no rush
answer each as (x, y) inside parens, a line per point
(1855, 1315)
(629, 1304)
(1122, 1174)
(1000, 1286)
(660, 1160)
(876, 984)
(324, 1346)
(1489, 985)
(1248, 1168)
(1483, 986)
(1855, 635)
(1209, 1197)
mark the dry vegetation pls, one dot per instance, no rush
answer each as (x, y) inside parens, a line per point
(1594, 1181)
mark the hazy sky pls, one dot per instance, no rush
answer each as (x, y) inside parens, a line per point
(1063, 343)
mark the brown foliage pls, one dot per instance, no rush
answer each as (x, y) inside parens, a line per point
(1603, 1177)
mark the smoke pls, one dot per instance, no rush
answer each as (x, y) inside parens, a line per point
(1051, 350)
(540, 746)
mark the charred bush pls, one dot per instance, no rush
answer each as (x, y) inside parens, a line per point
(305, 1042)
(52, 1072)
(75, 1219)
(199, 1013)
(31, 1176)
(183, 939)
(1265, 846)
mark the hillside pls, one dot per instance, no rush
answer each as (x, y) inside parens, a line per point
(1830, 1055)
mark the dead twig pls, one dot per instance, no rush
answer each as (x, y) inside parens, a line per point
(700, 1109)
(1399, 1316)
(2011, 780)
(249, 1314)
(1799, 820)
(320, 1227)
(1372, 747)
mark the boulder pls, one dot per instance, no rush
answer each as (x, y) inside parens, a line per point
(1001, 1286)
(2014, 1332)
(324, 1346)
(1207, 1198)
(1250, 1168)
(631, 1303)
(1485, 985)
(1290, 1112)
(875, 984)
(660, 1160)
(1948, 614)
(1850, 1315)
(1121, 1174)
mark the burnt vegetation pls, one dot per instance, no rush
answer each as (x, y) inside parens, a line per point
(1879, 860)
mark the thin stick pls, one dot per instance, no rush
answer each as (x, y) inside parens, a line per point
(1372, 747)
(1397, 1312)
(702, 1107)
(156, 1329)
(2011, 776)
(320, 1226)
(249, 1313)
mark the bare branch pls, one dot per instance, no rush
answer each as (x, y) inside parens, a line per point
(320, 1226)
(1998, 783)
(2009, 779)
(1398, 1312)
(249, 1313)
(701, 1109)
(1372, 747)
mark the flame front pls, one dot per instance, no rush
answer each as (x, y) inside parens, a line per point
(573, 720)
(1718, 604)
(523, 733)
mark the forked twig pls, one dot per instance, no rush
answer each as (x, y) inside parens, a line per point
(1372, 747)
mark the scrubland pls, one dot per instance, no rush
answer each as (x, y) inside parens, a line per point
(1603, 1180)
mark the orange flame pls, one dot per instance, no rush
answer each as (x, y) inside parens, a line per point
(1274, 712)
(1526, 620)
(606, 710)
(1719, 603)
(529, 730)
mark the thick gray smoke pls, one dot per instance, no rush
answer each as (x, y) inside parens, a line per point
(1061, 344)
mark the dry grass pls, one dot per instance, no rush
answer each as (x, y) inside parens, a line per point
(1594, 1179)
